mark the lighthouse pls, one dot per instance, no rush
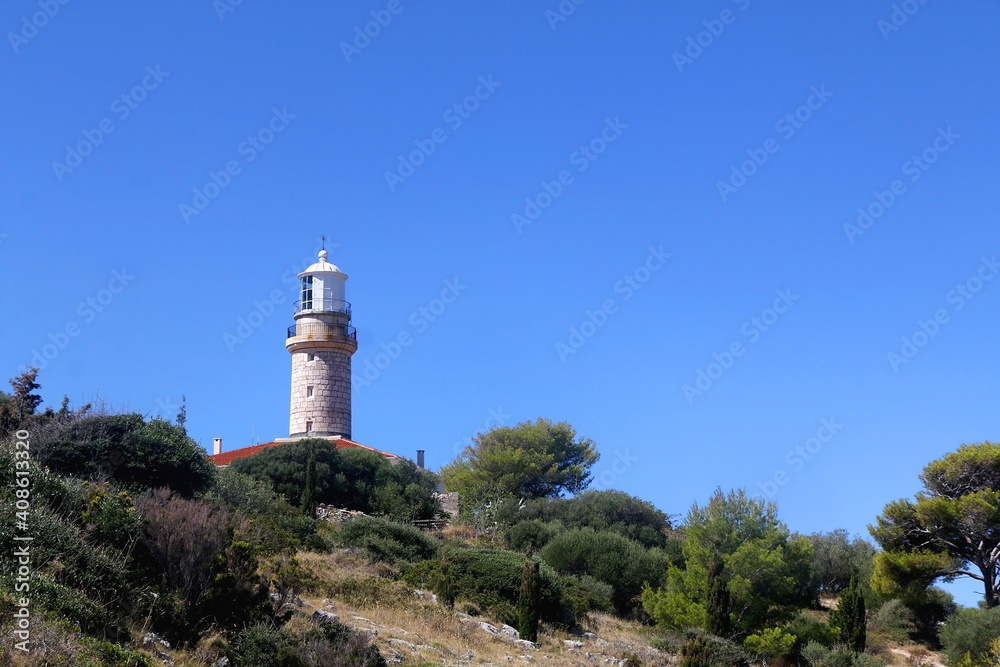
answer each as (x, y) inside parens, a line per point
(321, 343)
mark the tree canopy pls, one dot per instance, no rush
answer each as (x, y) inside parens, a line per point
(767, 572)
(125, 448)
(17, 407)
(529, 460)
(951, 529)
(836, 559)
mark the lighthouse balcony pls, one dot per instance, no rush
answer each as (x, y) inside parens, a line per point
(318, 331)
(322, 302)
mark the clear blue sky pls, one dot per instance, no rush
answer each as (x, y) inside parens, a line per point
(660, 131)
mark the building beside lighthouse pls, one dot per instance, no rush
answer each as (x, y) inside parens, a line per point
(321, 342)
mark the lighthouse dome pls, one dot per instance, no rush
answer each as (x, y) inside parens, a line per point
(322, 266)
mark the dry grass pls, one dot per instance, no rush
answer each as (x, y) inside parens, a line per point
(913, 655)
(422, 632)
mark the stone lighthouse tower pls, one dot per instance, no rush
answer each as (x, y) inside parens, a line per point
(321, 342)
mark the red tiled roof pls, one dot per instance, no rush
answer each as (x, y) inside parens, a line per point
(225, 458)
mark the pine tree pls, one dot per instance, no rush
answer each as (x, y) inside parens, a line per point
(851, 617)
(26, 402)
(527, 605)
(718, 598)
(309, 495)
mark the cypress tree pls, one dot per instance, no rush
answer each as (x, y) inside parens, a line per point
(718, 598)
(309, 495)
(851, 617)
(445, 585)
(696, 653)
(527, 604)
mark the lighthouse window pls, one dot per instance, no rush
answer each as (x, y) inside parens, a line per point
(309, 392)
(307, 293)
(309, 427)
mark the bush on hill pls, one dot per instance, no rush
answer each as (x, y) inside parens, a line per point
(614, 511)
(491, 579)
(331, 643)
(127, 449)
(352, 478)
(971, 631)
(608, 557)
(388, 541)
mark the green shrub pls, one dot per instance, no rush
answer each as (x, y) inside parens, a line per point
(110, 655)
(614, 511)
(813, 653)
(970, 631)
(770, 643)
(585, 594)
(841, 656)
(533, 533)
(260, 646)
(330, 643)
(894, 620)
(353, 478)
(491, 579)
(388, 541)
(810, 631)
(623, 564)
(720, 652)
(135, 453)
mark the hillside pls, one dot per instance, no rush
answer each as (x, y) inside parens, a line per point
(131, 549)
